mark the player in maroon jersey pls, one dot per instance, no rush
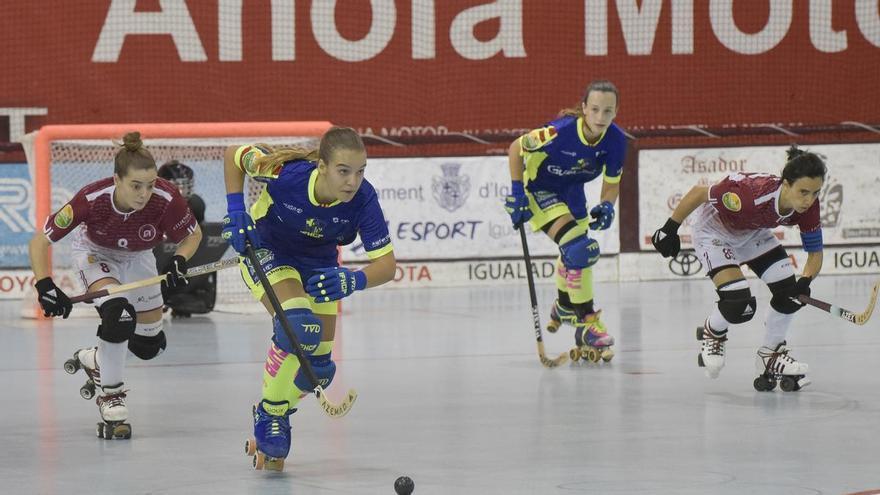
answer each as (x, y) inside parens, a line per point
(732, 227)
(121, 218)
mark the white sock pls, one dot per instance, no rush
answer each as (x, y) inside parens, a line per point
(111, 360)
(776, 327)
(717, 323)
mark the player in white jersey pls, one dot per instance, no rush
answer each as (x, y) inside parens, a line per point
(116, 222)
(732, 228)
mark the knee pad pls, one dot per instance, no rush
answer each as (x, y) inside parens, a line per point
(146, 347)
(580, 252)
(306, 327)
(118, 320)
(737, 306)
(324, 368)
(782, 292)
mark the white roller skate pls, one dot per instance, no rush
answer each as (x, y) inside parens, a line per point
(776, 365)
(85, 359)
(111, 403)
(711, 350)
(592, 341)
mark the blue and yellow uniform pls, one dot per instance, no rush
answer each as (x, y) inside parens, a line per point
(298, 234)
(559, 161)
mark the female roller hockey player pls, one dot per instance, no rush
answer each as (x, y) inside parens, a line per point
(548, 168)
(123, 217)
(314, 201)
(731, 227)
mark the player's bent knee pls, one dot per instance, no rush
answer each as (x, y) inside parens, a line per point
(118, 320)
(579, 253)
(147, 347)
(737, 306)
(782, 296)
(324, 368)
(306, 328)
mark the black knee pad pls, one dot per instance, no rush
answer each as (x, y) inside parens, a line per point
(118, 319)
(782, 296)
(760, 264)
(737, 306)
(145, 347)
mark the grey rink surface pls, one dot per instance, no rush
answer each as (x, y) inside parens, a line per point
(452, 394)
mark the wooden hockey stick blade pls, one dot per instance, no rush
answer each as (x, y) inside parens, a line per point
(192, 272)
(845, 314)
(335, 410)
(547, 362)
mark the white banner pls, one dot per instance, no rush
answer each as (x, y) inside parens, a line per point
(849, 205)
(453, 208)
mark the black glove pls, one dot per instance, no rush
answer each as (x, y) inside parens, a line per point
(801, 288)
(666, 240)
(175, 272)
(52, 299)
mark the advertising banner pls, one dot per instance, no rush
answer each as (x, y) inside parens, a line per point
(848, 201)
(16, 215)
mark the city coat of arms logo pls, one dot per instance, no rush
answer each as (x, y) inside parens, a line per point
(451, 189)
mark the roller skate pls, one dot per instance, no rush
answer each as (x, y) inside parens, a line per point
(776, 365)
(85, 359)
(111, 403)
(711, 350)
(559, 314)
(592, 341)
(271, 441)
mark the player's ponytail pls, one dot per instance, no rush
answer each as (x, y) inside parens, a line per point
(599, 85)
(132, 154)
(276, 157)
(802, 163)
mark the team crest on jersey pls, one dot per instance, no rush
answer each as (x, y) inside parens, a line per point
(731, 201)
(451, 190)
(537, 138)
(147, 232)
(314, 228)
(64, 218)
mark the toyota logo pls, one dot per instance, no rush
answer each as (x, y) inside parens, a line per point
(685, 264)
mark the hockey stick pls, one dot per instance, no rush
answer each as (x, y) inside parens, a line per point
(192, 272)
(857, 318)
(547, 362)
(329, 408)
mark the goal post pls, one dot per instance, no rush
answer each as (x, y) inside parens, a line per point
(64, 158)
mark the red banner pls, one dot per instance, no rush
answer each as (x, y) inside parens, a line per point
(464, 65)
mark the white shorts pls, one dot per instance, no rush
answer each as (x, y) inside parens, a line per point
(94, 263)
(718, 246)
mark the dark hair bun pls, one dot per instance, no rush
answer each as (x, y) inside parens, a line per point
(132, 141)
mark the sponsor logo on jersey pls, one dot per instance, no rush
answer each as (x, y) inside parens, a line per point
(314, 228)
(451, 190)
(147, 232)
(731, 201)
(569, 153)
(64, 218)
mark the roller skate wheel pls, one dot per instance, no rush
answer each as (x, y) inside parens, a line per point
(700, 362)
(764, 384)
(789, 384)
(553, 326)
(87, 391)
(607, 355)
(274, 465)
(574, 354)
(593, 355)
(122, 430)
(259, 461)
(250, 446)
(699, 333)
(71, 366)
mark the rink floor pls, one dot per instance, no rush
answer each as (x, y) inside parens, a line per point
(452, 394)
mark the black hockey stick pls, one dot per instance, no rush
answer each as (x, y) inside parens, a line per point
(857, 318)
(331, 409)
(547, 362)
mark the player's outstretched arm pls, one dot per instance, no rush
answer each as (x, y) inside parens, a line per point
(690, 202)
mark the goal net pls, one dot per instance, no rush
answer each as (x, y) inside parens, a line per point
(63, 159)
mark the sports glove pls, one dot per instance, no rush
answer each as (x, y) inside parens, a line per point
(52, 299)
(603, 215)
(517, 204)
(334, 283)
(666, 240)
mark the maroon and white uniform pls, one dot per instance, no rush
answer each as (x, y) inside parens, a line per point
(735, 225)
(114, 244)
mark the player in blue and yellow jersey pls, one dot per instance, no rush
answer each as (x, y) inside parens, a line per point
(549, 167)
(314, 201)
